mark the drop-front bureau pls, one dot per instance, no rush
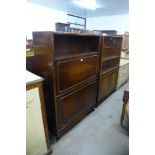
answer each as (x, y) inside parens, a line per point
(69, 64)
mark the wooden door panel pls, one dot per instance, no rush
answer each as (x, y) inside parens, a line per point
(107, 84)
(110, 52)
(75, 71)
(106, 65)
(111, 46)
(71, 105)
(110, 41)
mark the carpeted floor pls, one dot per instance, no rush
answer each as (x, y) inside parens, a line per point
(99, 133)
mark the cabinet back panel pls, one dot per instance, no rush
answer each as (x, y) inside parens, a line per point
(70, 44)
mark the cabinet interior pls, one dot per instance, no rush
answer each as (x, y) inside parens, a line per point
(72, 45)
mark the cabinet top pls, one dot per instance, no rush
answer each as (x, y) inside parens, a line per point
(32, 78)
(91, 34)
(70, 33)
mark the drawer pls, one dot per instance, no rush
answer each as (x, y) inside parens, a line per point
(107, 84)
(75, 71)
(106, 65)
(74, 104)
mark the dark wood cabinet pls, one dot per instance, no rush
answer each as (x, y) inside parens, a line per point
(69, 63)
(109, 63)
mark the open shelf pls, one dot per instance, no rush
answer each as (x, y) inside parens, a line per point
(75, 43)
(67, 46)
(108, 47)
(111, 41)
(108, 70)
(110, 63)
(109, 58)
(110, 52)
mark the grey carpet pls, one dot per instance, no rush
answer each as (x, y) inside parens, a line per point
(99, 133)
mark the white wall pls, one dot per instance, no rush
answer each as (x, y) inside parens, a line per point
(39, 18)
(114, 22)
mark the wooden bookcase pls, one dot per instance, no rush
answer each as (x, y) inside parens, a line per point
(69, 63)
(109, 64)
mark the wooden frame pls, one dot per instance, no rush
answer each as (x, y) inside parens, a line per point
(125, 100)
(72, 51)
(79, 18)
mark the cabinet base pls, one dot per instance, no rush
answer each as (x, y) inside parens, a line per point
(59, 134)
(103, 98)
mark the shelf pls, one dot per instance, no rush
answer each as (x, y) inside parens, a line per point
(109, 58)
(86, 34)
(108, 70)
(108, 47)
(73, 55)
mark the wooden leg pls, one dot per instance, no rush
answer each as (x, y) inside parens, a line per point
(125, 100)
(123, 113)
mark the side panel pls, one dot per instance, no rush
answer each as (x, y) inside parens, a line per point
(35, 136)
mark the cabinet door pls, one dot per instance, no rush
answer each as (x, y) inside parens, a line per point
(107, 84)
(74, 104)
(111, 47)
(35, 137)
(110, 52)
(109, 64)
(75, 71)
(111, 41)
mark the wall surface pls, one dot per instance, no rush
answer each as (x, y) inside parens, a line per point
(39, 18)
(115, 22)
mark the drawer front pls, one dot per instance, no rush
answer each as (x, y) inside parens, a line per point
(109, 64)
(107, 83)
(72, 105)
(75, 71)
